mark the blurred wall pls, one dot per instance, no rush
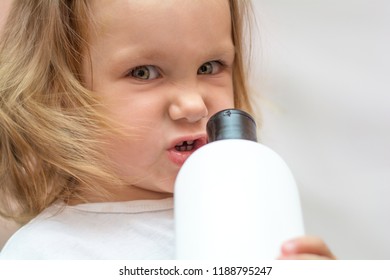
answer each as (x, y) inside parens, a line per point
(322, 72)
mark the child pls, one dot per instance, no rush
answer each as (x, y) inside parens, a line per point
(101, 103)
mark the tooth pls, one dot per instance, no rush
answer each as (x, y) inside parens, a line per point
(182, 148)
(190, 142)
(180, 144)
(190, 147)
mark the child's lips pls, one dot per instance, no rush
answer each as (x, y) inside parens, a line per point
(184, 147)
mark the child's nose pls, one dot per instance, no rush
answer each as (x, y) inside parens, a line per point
(188, 105)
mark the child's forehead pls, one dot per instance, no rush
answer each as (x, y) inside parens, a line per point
(110, 12)
(155, 22)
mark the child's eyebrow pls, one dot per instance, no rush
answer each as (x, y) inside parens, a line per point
(223, 51)
(135, 53)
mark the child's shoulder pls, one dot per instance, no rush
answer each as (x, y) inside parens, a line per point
(94, 231)
(42, 236)
(55, 231)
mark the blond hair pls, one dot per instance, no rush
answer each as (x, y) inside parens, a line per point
(49, 122)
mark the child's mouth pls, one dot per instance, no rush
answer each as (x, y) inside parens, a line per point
(185, 146)
(179, 153)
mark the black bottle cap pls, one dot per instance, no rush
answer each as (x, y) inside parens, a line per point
(231, 124)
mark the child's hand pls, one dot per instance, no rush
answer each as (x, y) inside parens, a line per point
(305, 248)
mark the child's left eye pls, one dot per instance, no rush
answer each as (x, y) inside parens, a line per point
(210, 68)
(145, 72)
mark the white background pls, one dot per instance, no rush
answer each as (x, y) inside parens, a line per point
(322, 72)
(281, 270)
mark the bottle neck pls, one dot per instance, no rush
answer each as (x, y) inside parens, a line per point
(231, 124)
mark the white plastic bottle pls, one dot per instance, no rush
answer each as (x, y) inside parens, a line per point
(234, 198)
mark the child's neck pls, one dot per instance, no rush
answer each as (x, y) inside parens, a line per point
(129, 193)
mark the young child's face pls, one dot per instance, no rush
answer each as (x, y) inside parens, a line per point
(161, 68)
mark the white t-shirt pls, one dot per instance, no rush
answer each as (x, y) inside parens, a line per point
(140, 230)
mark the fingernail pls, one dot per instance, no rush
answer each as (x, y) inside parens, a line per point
(288, 246)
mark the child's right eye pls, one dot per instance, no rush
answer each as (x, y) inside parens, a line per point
(144, 72)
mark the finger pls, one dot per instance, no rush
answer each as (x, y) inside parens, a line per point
(307, 245)
(302, 257)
